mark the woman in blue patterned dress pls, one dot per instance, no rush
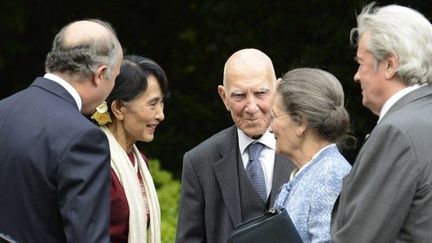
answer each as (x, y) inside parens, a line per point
(309, 118)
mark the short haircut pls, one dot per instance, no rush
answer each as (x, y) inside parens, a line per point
(82, 59)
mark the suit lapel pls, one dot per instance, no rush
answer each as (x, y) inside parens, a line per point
(225, 170)
(281, 171)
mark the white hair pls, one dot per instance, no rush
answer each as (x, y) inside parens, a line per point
(401, 31)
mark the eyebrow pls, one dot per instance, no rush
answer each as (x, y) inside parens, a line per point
(263, 90)
(237, 91)
(155, 99)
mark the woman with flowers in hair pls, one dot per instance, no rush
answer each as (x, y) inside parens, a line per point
(131, 113)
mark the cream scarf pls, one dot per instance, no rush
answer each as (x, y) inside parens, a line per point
(124, 170)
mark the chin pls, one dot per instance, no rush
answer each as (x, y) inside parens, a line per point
(147, 139)
(254, 132)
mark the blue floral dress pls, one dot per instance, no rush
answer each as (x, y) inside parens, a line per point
(310, 195)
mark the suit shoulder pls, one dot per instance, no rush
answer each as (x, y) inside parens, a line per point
(214, 146)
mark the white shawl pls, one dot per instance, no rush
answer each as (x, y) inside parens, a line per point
(124, 170)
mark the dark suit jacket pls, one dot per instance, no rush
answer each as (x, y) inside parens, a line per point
(388, 195)
(54, 169)
(210, 205)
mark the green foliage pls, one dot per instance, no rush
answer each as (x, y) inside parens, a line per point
(168, 190)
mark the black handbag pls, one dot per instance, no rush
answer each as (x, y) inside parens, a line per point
(273, 226)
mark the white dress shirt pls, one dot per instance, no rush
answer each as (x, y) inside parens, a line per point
(69, 88)
(394, 98)
(266, 157)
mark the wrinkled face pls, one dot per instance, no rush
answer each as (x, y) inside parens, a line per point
(142, 115)
(249, 97)
(371, 76)
(284, 129)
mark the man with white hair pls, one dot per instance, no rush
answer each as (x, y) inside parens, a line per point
(218, 192)
(387, 197)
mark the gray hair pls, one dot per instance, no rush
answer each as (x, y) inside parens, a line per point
(402, 31)
(82, 60)
(317, 97)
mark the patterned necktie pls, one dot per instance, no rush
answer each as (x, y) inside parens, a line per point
(255, 171)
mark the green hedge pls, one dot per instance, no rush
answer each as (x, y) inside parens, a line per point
(168, 190)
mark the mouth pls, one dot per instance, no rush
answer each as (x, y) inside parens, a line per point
(152, 126)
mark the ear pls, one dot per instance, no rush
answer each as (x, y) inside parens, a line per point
(392, 65)
(99, 74)
(301, 126)
(117, 109)
(222, 94)
(300, 129)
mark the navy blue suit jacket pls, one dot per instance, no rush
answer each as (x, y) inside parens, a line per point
(54, 169)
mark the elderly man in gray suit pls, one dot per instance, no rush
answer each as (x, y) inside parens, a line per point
(388, 195)
(218, 192)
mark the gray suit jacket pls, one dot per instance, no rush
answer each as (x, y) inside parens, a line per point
(388, 195)
(210, 205)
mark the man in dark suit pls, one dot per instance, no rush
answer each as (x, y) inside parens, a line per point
(388, 195)
(54, 163)
(217, 193)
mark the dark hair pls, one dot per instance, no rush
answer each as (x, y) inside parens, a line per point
(132, 79)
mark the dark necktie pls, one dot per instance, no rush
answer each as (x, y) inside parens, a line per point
(255, 171)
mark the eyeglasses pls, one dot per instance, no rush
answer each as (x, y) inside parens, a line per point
(272, 116)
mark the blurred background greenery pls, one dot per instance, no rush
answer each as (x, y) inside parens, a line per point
(168, 190)
(191, 39)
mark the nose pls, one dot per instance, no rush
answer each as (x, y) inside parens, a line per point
(356, 77)
(160, 116)
(251, 106)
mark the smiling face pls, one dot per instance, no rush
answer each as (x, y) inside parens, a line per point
(141, 115)
(248, 90)
(371, 76)
(284, 129)
(249, 97)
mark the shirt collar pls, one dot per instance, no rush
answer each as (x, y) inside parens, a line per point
(394, 98)
(297, 171)
(69, 88)
(267, 139)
